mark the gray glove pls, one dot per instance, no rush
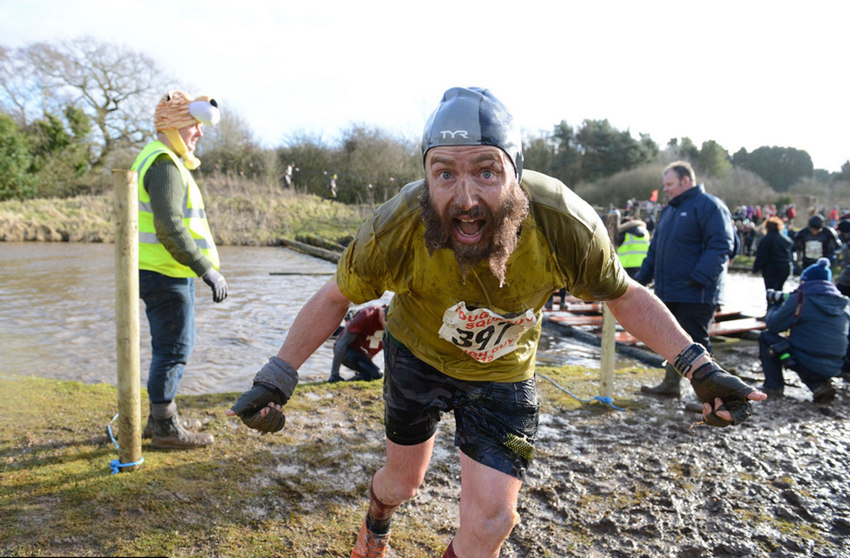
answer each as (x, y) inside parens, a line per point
(275, 382)
(710, 381)
(217, 283)
(250, 403)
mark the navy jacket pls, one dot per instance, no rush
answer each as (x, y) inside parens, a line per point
(819, 335)
(690, 249)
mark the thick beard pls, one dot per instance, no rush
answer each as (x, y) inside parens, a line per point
(499, 236)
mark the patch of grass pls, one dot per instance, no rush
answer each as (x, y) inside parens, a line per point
(295, 493)
(234, 498)
(583, 383)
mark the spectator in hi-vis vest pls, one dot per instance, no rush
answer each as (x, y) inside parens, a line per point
(175, 246)
(632, 244)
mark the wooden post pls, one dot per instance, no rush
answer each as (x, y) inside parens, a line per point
(127, 316)
(609, 328)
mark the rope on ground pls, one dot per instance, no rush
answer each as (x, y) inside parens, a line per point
(116, 464)
(603, 399)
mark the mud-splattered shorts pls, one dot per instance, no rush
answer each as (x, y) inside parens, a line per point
(496, 422)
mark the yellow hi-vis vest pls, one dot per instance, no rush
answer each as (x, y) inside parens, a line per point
(152, 254)
(633, 250)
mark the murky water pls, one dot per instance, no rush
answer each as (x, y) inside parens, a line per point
(57, 315)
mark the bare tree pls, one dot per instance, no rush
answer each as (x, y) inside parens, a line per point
(115, 86)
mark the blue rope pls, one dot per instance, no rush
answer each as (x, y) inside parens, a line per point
(603, 399)
(116, 464)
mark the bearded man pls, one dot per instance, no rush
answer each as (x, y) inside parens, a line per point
(472, 253)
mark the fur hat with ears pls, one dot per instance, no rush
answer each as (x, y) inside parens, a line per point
(818, 271)
(177, 110)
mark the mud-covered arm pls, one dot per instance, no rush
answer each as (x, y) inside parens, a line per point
(726, 397)
(260, 406)
(643, 315)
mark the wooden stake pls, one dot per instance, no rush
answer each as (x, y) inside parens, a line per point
(127, 316)
(609, 329)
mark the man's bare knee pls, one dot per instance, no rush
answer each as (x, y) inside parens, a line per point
(400, 487)
(491, 530)
(501, 524)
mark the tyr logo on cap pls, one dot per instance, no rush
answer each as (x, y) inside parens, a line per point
(453, 134)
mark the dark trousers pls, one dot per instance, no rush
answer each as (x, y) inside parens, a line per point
(695, 319)
(170, 308)
(361, 363)
(775, 278)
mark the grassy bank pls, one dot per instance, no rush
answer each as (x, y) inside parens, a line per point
(240, 213)
(301, 492)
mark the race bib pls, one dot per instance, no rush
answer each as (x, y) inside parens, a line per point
(483, 334)
(814, 249)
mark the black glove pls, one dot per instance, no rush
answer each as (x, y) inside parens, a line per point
(217, 283)
(250, 403)
(275, 383)
(710, 381)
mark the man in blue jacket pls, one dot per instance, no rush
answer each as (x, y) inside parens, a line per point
(817, 316)
(688, 256)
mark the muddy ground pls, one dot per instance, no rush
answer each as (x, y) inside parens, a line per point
(651, 484)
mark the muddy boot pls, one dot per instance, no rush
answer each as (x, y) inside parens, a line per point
(148, 430)
(669, 386)
(169, 434)
(824, 393)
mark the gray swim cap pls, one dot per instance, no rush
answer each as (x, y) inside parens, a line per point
(473, 116)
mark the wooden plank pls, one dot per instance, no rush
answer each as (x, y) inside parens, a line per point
(590, 307)
(573, 319)
(731, 327)
(626, 338)
(725, 315)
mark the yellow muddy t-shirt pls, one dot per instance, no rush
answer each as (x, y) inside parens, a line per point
(474, 329)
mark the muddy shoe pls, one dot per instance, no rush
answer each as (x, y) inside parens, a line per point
(661, 390)
(669, 386)
(371, 545)
(824, 393)
(168, 433)
(148, 430)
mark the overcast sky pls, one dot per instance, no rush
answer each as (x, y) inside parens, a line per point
(744, 73)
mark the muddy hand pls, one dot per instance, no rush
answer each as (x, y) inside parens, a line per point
(260, 408)
(726, 399)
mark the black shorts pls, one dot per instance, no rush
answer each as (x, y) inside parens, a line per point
(496, 422)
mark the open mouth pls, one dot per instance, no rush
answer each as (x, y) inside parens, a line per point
(468, 231)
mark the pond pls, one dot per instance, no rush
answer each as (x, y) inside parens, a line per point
(57, 315)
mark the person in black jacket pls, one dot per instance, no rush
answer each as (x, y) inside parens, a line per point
(816, 241)
(773, 255)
